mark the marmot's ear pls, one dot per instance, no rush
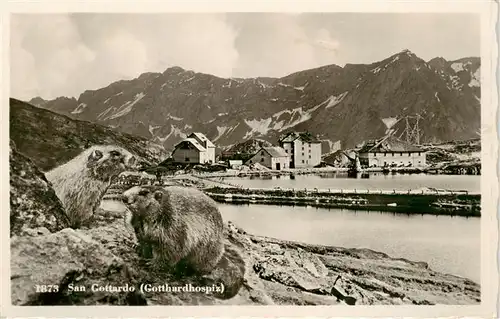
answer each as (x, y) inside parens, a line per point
(95, 155)
(158, 195)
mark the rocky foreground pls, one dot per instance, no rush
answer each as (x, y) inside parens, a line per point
(274, 271)
(52, 264)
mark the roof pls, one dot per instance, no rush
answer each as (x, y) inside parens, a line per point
(202, 137)
(275, 151)
(194, 142)
(388, 145)
(303, 136)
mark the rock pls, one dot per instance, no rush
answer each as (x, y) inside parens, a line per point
(295, 269)
(33, 202)
(254, 271)
(48, 259)
(34, 231)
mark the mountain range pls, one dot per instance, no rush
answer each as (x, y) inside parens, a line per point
(342, 105)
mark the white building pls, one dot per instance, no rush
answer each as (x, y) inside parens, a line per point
(391, 152)
(303, 148)
(271, 157)
(196, 148)
(235, 163)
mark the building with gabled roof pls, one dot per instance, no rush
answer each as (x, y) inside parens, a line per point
(303, 148)
(196, 148)
(202, 139)
(271, 157)
(390, 152)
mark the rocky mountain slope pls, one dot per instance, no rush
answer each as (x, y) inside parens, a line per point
(50, 139)
(341, 104)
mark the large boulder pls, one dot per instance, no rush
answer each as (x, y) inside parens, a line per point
(56, 259)
(33, 202)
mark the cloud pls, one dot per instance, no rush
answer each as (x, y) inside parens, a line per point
(278, 44)
(66, 54)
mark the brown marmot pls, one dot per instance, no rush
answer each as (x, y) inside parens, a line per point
(81, 183)
(179, 229)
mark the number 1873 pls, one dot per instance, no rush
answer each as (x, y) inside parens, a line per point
(46, 288)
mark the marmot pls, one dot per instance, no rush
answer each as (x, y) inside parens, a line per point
(180, 229)
(81, 183)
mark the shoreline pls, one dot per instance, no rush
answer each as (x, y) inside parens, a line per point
(419, 201)
(319, 170)
(450, 203)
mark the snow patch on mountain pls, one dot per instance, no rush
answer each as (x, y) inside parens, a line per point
(107, 100)
(127, 107)
(376, 70)
(455, 82)
(229, 84)
(297, 116)
(152, 128)
(334, 100)
(301, 88)
(263, 85)
(475, 78)
(221, 130)
(79, 108)
(258, 126)
(437, 97)
(174, 131)
(175, 118)
(389, 122)
(457, 67)
(396, 58)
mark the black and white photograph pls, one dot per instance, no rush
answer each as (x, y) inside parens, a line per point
(339, 159)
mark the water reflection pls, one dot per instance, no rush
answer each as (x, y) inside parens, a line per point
(371, 181)
(448, 244)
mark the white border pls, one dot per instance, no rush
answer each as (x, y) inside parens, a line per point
(489, 179)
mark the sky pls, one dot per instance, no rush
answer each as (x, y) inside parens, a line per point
(55, 55)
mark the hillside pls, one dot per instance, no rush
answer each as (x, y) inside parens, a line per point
(341, 104)
(50, 139)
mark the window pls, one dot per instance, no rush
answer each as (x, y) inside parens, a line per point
(302, 153)
(309, 155)
(392, 154)
(419, 154)
(262, 153)
(302, 161)
(385, 154)
(375, 154)
(309, 150)
(400, 154)
(187, 159)
(302, 147)
(262, 159)
(286, 151)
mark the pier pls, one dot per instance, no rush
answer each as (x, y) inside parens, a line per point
(424, 201)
